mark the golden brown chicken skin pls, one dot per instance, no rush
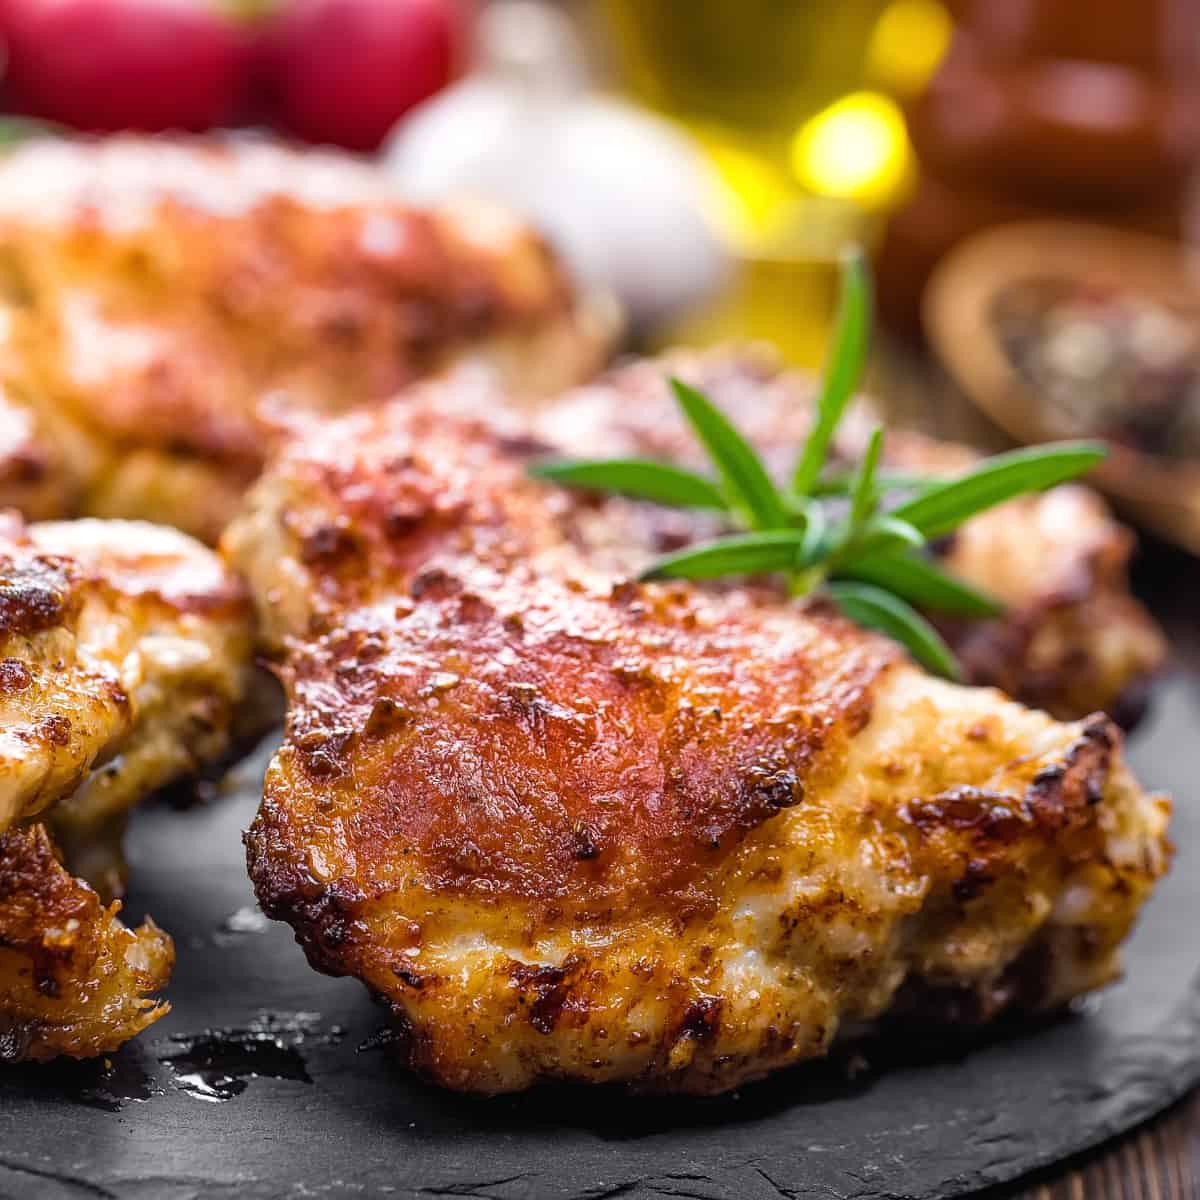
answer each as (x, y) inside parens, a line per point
(74, 980)
(154, 290)
(1072, 639)
(125, 663)
(572, 827)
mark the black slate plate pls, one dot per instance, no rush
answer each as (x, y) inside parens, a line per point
(331, 1119)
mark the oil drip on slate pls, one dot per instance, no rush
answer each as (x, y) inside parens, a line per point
(218, 1064)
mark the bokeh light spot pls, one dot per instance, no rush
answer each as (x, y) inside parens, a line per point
(856, 149)
(907, 45)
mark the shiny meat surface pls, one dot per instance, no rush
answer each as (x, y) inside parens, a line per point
(1073, 638)
(153, 291)
(73, 979)
(572, 827)
(125, 663)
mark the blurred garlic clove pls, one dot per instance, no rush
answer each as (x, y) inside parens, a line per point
(622, 195)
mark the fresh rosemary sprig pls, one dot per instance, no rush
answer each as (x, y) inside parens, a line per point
(833, 531)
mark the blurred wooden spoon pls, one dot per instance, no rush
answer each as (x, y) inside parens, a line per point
(959, 312)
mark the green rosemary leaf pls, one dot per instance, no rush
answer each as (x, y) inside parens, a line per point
(944, 507)
(875, 608)
(809, 569)
(877, 535)
(816, 543)
(841, 483)
(639, 478)
(881, 533)
(870, 561)
(842, 372)
(747, 484)
(739, 554)
(922, 582)
(865, 496)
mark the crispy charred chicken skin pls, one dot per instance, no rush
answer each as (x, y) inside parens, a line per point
(154, 290)
(125, 663)
(572, 827)
(1073, 638)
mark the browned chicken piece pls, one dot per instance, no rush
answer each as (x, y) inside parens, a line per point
(1073, 638)
(34, 475)
(74, 980)
(125, 663)
(572, 827)
(154, 290)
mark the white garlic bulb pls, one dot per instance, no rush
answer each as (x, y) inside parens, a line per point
(622, 195)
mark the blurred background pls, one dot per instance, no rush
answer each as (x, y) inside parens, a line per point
(1023, 172)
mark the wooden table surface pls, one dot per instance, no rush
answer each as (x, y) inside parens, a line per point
(1159, 1161)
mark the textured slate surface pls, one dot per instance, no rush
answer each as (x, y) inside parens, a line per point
(345, 1122)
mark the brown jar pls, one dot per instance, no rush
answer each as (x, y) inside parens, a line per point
(1087, 108)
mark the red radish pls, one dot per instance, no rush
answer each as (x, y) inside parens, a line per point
(345, 70)
(126, 64)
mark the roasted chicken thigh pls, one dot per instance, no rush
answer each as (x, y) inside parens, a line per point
(154, 291)
(125, 663)
(74, 980)
(569, 826)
